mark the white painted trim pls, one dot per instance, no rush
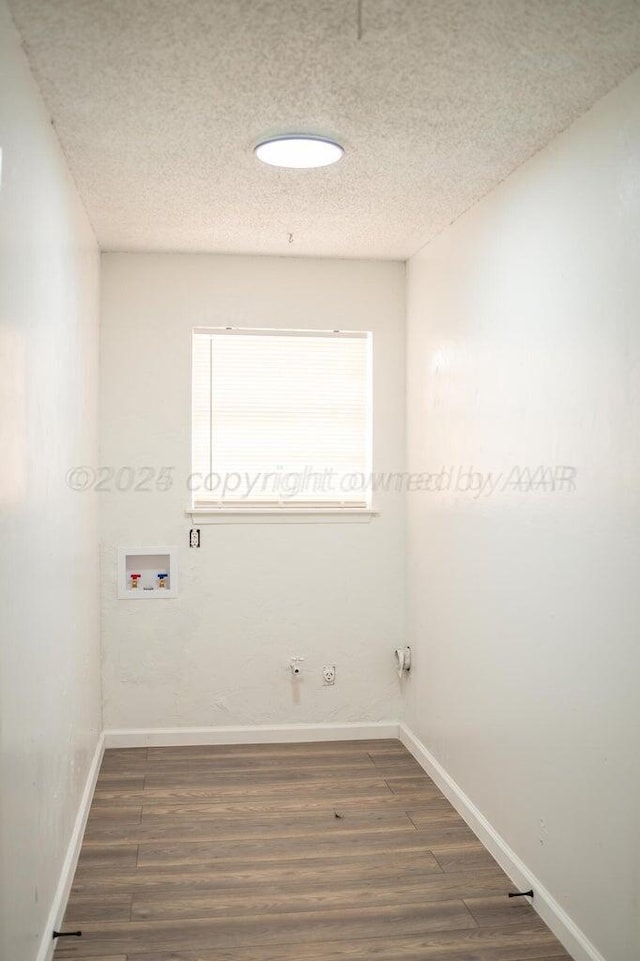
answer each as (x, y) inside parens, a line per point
(59, 905)
(356, 515)
(554, 916)
(259, 734)
(280, 511)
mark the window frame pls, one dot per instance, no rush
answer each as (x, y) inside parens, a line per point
(285, 509)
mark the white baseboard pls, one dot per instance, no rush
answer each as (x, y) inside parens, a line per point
(554, 916)
(259, 734)
(568, 933)
(59, 905)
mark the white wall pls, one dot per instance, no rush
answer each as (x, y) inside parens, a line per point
(49, 656)
(524, 349)
(254, 594)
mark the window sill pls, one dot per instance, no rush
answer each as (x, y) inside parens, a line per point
(284, 515)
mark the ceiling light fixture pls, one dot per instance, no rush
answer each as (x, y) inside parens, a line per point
(299, 151)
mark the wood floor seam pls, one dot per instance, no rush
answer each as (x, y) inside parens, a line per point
(341, 851)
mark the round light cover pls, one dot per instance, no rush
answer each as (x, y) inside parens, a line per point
(300, 151)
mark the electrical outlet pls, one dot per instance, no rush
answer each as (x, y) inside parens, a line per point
(329, 675)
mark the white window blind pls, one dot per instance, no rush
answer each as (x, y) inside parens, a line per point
(281, 419)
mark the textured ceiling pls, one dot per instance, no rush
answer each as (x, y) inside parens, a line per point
(158, 104)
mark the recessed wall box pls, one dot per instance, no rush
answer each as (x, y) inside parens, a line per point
(141, 571)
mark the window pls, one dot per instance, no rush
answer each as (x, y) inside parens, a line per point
(281, 419)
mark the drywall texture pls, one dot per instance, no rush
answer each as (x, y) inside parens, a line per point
(159, 104)
(49, 656)
(524, 351)
(254, 594)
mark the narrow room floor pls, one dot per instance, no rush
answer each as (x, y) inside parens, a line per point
(288, 852)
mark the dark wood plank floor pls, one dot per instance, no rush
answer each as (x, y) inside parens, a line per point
(340, 851)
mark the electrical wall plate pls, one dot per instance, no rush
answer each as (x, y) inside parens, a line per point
(329, 675)
(194, 537)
